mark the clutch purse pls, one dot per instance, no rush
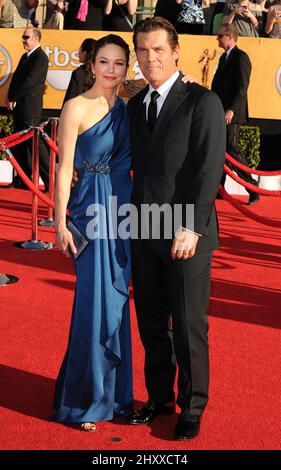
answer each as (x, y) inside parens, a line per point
(79, 240)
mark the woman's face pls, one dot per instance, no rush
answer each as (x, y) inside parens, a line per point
(110, 66)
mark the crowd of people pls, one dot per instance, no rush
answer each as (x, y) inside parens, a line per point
(252, 18)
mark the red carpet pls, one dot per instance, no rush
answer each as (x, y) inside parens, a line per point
(244, 410)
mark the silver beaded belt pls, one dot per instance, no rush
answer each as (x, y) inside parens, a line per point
(96, 168)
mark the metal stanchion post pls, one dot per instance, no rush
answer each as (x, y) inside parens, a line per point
(49, 222)
(34, 243)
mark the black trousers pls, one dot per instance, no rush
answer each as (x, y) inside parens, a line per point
(23, 151)
(164, 288)
(232, 139)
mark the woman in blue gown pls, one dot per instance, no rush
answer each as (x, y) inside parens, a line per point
(95, 379)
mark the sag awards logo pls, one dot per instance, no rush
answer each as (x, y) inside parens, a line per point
(5, 65)
(278, 79)
(134, 81)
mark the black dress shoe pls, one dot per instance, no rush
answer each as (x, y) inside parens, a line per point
(187, 427)
(253, 198)
(149, 412)
(9, 186)
(14, 185)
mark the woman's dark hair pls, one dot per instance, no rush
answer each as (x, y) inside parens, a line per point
(88, 45)
(102, 42)
(156, 23)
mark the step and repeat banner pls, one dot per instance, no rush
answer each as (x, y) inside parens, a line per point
(199, 57)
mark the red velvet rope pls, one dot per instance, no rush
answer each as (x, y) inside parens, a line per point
(49, 141)
(251, 170)
(16, 139)
(20, 140)
(245, 211)
(25, 178)
(251, 187)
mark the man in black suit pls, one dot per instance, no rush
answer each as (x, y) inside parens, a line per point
(178, 150)
(25, 99)
(230, 83)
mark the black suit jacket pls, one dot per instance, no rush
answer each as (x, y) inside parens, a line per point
(28, 85)
(181, 162)
(231, 82)
(76, 84)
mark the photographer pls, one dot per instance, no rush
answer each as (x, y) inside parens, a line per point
(273, 22)
(247, 20)
(15, 13)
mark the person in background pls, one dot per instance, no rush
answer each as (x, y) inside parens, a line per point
(120, 16)
(85, 14)
(273, 21)
(25, 100)
(191, 17)
(248, 21)
(77, 82)
(16, 13)
(168, 9)
(230, 83)
(55, 14)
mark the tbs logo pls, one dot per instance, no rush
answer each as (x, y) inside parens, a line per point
(5, 65)
(278, 79)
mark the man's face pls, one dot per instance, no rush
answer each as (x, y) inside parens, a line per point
(28, 40)
(223, 38)
(156, 58)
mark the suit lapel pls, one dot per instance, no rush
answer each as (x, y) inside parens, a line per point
(147, 140)
(138, 107)
(229, 59)
(176, 96)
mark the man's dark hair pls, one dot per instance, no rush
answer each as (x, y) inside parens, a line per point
(111, 39)
(104, 41)
(88, 45)
(156, 23)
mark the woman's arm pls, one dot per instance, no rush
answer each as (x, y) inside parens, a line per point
(132, 6)
(271, 16)
(67, 136)
(108, 7)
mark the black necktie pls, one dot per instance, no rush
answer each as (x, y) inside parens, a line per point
(152, 110)
(23, 62)
(223, 60)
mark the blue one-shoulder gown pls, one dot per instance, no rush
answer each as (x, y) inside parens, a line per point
(95, 379)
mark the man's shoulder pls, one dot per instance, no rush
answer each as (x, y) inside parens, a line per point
(79, 72)
(138, 97)
(196, 90)
(239, 52)
(202, 96)
(39, 54)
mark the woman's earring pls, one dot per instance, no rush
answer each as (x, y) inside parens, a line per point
(94, 75)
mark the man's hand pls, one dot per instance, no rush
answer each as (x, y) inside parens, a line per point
(189, 78)
(74, 177)
(9, 104)
(228, 116)
(184, 244)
